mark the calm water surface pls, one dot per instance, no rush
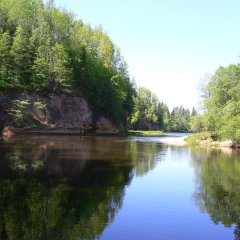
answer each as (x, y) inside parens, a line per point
(116, 188)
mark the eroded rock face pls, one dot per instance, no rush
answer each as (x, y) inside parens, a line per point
(104, 125)
(64, 112)
(61, 113)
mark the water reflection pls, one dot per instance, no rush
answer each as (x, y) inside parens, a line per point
(218, 186)
(66, 187)
(144, 156)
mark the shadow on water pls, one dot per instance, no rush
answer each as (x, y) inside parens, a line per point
(218, 189)
(66, 187)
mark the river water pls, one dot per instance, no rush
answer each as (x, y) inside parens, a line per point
(76, 187)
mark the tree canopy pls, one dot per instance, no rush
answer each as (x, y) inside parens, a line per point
(151, 114)
(46, 49)
(222, 104)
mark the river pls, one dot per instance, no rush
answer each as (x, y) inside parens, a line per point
(72, 187)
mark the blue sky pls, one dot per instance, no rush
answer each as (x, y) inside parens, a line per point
(169, 45)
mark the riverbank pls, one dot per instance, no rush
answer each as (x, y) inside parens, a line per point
(11, 131)
(210, 139)
(31, 113)
(139, 133)
(204, 139)
(176, 139)
(170, 138)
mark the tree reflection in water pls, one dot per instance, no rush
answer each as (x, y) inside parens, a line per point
(218, 191)
(66, 187)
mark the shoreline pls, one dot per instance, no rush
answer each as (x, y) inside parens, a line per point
(211, 140)
(216, 144)
(171, 138)
(11, 131)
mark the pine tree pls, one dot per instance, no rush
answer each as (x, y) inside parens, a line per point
(22, 58)
(5, 60)
(51, 68)
(42, 76)
(60, 69)
(194, 112)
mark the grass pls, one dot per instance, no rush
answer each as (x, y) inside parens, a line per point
(140, 133)
(202, 137)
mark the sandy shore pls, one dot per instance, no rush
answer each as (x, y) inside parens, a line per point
(179, 141)
(176, 139)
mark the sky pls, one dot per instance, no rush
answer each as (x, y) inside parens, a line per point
(170, 46)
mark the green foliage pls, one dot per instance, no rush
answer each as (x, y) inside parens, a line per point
(18, 109)
(194, 112)
(199, 138)
(39, 105)
(21, 58)
(51, 69)
(148, 113)
(20, 117)
(222, 103)
(20, 114)
(180, 118)
(45, 49)
(5, 60)
(145, 133)
(163, 117)
(197, 123)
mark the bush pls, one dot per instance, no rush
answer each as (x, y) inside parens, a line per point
(198, 138)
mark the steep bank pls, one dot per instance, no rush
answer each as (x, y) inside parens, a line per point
(56, 114)
(45, 51)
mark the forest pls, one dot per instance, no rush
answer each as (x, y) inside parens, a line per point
(221, 105)
(45, 49)
(151, 114)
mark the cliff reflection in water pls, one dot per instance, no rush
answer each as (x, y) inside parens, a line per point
(66, 187)
(218, 188)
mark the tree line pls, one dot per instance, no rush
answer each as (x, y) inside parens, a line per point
(221, 105)
(151, 114)
(46, 49)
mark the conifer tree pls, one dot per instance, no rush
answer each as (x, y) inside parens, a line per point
(5, 60)
(22, 58)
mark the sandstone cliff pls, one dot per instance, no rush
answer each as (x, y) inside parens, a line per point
(59, 114)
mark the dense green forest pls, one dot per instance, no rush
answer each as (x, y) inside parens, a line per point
(151, 114)
(221, 105)
(45, 49)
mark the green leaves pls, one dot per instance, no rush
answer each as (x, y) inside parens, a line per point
(45, 49)
(20, 113)
(180, 118)
(39, 105)
(148, 112)
(223, 104)
(5, 60)
(22, 58)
